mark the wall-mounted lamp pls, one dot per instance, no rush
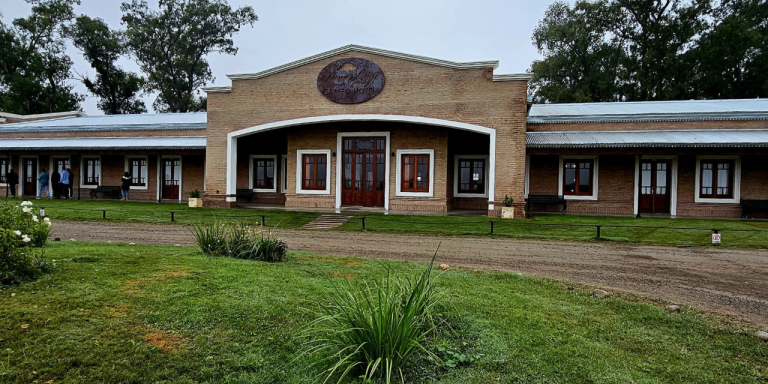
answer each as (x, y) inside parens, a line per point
(333, 154)
(393, 154)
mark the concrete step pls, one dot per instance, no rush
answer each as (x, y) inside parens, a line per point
(327, 222)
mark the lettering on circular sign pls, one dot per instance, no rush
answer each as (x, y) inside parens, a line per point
(350, 81)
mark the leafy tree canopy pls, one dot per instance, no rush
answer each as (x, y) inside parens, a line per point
(628, 50)
(34, 69)
(118, 91)
(170, 45)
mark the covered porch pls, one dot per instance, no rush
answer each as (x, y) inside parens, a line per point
(692, 173)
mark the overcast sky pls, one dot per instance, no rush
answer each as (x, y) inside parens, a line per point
(288, 30)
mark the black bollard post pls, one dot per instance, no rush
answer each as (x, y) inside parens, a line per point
(598, 231)
(263, 220)
(172, 217)
(104, 214)
(363, 223)
(491, 227)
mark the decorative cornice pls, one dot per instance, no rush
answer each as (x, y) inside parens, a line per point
(222, 89)
(359, 48)
(513, 77)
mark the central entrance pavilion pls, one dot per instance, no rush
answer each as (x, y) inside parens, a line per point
(390, 131)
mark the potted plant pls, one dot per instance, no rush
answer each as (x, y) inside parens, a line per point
(194, 199)
(507, 211)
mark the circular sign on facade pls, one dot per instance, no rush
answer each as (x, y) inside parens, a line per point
(350, 81)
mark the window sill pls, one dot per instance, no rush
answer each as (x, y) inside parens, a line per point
(313, 192)
(580, 197)
(413, 194)
(710, 200)
(263, 190)
(144, 188)
(473, 195)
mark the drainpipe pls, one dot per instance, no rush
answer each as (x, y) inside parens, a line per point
(639, 180)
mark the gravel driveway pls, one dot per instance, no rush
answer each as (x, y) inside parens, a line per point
(728, 282)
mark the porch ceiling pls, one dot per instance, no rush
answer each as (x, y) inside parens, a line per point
(102, 143)
(709, 138)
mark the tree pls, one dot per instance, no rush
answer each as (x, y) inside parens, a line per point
(580, 64)
(731, 61)
(170, 45)
(669, 50)
(118, 91)
(34, 69)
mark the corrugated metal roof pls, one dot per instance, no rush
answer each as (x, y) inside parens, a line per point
(744, 109)
(101, 143)
(145, 121)
(712, 138)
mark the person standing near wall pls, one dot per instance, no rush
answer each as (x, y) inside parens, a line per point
(64, 184)
(125, 186)
(42, 184)
(13, 181)
(55, 186)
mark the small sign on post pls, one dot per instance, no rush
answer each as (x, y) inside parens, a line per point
(716, 237)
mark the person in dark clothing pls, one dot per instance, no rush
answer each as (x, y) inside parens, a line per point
(13, 181)
(55, 186)
(67, 182)
(126, 185)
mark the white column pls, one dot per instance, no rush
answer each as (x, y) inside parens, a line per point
(231, 168)
(492, 171)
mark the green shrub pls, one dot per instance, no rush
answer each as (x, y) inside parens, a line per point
(375, 330)
(195, 194)
(241, 241)
(22, 235)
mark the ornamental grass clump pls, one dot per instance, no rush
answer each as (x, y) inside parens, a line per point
(240, 240)
(375, 330)
(22, 236)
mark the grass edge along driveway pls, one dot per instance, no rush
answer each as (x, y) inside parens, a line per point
(137, 313)
(542, 227)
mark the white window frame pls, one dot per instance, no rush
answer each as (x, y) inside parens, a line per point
(10, 165)
(20, 186)
(673, 182)
(82, 172)
(339, 176)
(300, 168)
(736, 180)
(128, 159)
(250, 173)
(283, 173)
(456, 176)
(595, 173)
(399, 177)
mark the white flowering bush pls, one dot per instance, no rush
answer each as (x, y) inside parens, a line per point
(22, 237)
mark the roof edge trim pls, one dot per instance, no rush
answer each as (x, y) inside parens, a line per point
(52, 115)
(213, 89)
(513, 77)
(376, 51)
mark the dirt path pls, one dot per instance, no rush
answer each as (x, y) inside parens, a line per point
(728, 282)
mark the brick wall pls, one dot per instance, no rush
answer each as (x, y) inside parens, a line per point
(616, 188)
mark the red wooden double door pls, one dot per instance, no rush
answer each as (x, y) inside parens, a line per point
(655, 186)
(364, 171)
(171, 178)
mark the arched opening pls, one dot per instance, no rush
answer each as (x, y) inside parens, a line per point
(387, 161)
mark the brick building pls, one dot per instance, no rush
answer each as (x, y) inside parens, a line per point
(358, 126)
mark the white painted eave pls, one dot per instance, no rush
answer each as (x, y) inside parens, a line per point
(375, 51)
(513, 77)
(223, 89)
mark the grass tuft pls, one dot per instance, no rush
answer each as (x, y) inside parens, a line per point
(373, 329)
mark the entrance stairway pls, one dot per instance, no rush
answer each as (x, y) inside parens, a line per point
(327, 222)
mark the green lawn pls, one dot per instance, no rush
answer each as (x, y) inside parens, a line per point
(138, 314)
(545, 227)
